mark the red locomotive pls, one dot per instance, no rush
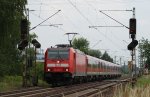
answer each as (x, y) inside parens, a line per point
(65, 64)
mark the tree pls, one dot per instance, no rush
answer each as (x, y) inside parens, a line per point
(106, 57)
(95, 53)
(144, 48)
(11, 12)
(81, 44)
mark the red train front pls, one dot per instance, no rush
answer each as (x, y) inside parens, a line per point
(66, 64)
(60, 64)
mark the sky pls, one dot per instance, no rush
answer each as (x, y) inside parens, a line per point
(75, 16)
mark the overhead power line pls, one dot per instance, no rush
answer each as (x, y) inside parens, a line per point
(80, 12)
(45, 20)
(104, 26)
(116, 10)
(96, 43)
(55, 25)
(114, 19)
(89, 21)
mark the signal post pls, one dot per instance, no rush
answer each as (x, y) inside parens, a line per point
(132, 46)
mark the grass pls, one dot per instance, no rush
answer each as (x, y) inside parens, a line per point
(143, 81)
(141, 89)
(9, 83)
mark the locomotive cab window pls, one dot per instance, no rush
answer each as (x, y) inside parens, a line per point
(58, 53)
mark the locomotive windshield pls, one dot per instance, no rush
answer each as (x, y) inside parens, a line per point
(58, 53)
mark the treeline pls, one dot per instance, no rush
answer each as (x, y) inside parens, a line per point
(11, 12)
(144, 50)
(83, 45)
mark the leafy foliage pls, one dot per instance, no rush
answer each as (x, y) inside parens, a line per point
(95, 53)
(144, 47)
(81, 44)
(106, 57)
(11, 12)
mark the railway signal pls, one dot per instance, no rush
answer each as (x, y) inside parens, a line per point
(24, 29)
(24, 34)
(132, 25)
(132, 45)
(22, 44)
(36, 43)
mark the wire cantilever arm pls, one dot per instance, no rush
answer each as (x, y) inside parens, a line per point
(114, 20)
(44, 20)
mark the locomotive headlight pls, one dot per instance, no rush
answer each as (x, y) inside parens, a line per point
(48, 69)
(67, 69)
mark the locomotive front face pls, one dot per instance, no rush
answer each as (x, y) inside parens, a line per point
(58, 65)
(57, 60)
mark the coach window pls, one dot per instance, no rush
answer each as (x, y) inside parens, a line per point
(110, 68)
(103, 66)
(98, 65)
(113, 68)
(90, 63)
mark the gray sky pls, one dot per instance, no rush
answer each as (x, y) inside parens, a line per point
(78, 15)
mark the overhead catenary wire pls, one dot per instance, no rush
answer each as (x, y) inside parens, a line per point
(42, 19)
(106, 25)
(50, 23)
(89, 21)
(80, 12)
(114, 19)
(116, 10)
(85, 17)
(45, 20)
(96, 43)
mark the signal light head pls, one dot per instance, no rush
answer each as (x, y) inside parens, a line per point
(132, 25)
(132, 45)
(36, 43)
(22, 44)
(24, 28)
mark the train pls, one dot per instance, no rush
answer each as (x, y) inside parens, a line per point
(66, 64)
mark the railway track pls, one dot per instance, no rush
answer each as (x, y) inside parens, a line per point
(78, 90)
